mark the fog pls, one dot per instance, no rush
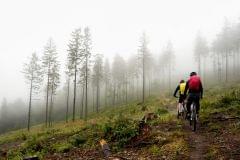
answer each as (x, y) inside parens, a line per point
(115, 26)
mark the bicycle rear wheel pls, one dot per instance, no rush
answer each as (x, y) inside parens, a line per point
(194, 117)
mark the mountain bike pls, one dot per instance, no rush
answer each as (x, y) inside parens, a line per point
(193, 116)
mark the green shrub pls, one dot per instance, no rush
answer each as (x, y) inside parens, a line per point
(120, 130)
(161, 111)
(226, 100)
(77, 140)
(23, 136)
(33, 144)
(61, 147)
(155, 150)
(232, 97)
(144, 107)
(14, 155)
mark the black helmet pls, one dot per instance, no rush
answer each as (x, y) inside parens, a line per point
(182, 81)
(193, 73)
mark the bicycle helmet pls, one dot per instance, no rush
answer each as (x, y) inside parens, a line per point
(193, 74)
(182, 81)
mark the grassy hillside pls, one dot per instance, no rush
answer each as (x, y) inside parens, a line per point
(164, 137)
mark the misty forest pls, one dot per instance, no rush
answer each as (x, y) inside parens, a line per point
(83, 103)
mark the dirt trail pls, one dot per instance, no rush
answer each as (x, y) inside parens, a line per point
(198, 146)
(198, 143)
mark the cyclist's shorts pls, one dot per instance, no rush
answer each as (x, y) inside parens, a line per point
(181, 98)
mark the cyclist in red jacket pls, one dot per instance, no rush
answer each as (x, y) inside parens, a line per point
(195, 91)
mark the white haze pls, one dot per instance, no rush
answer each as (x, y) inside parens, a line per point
(116, 26)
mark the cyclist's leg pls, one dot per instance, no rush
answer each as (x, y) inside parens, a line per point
(180, 103)
(189, 102)
(197, 103)
(177, 106)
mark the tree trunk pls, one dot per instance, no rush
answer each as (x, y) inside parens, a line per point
(143, 89)
(30, 104)
(51, 106)
(98, 94)
(93, 98)
(219, 68)
(106, 87)
(117, 94)
(126, 96)
(149, 85)
(223, 68)
(68, 88)
(86, 89)
(50, 111)
(238, 64)
(226, 67)
(74, 94)
(137, 94)
(114, 94)
(169, 78)
(46, 120)
(133, 88)
(83, 94)
(234, 65)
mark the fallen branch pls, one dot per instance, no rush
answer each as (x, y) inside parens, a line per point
(226, 118)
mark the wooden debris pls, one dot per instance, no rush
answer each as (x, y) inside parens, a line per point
(144, 130)
(226, 118)
(3, 154)
(31, 158)
(105, 148)
(149, 117)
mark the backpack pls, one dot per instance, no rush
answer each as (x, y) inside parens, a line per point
(182, 88)
(194, 83)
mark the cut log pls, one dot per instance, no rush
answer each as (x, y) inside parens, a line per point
(105, 148)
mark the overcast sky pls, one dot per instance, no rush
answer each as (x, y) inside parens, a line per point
(116, 25)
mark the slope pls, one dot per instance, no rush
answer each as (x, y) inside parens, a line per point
(163, 136)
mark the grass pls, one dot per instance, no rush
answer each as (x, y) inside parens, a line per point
(61, 147)
(117, 125)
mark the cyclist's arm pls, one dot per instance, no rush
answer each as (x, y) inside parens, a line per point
(176, 90)
(186, 89)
